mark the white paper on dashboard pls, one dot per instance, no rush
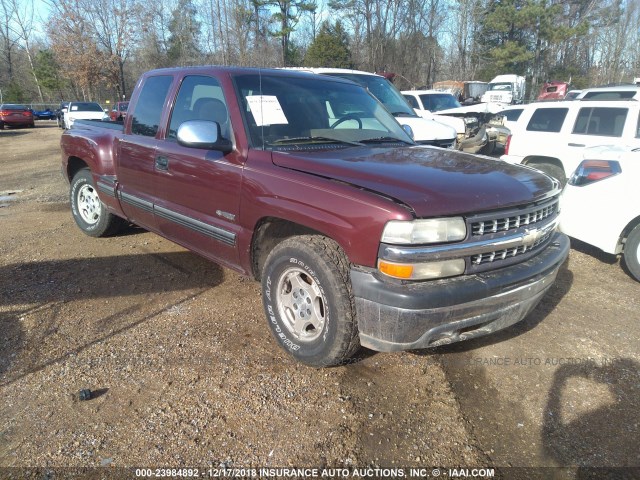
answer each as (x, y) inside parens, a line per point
(266, 110)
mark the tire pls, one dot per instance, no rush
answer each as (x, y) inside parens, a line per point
(90, 214)
(310, 271)
(552, 170)
(1, 126)
(631, 254)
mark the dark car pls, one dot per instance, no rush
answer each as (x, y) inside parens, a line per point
(60, 111)
(15, 116)
(44, 114)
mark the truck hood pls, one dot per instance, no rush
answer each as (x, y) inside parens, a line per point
(430, 180)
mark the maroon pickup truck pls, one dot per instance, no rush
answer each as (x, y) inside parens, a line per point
(307, 183)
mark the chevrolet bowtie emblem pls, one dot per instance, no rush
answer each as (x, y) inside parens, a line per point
(531, 237)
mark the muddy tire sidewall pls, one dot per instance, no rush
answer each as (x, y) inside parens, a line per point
(331, 346)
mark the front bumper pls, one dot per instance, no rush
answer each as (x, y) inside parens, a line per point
(475, 143)
(393, 317)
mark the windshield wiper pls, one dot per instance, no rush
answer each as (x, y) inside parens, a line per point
(385, 140)
(403, 114)
(284, 141)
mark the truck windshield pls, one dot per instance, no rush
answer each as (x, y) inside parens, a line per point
(500, 86)
(384, 91)
(284, 112)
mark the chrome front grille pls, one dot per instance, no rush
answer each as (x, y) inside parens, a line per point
(490, 257)
(495, 240)
(512, 222)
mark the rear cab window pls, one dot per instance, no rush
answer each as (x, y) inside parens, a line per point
(547, 120)
(148, 108)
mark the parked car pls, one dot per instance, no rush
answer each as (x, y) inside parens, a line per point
(13, 115)
(552, 136)
(511, 115)
(426, 131)
(358, 235)
(119, 111)
(600, 204)
(60, 111)
(619, 92)
(47, 114)
(83, 111)
(478, 130)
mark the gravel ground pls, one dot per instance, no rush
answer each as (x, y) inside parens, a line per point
(185, 373)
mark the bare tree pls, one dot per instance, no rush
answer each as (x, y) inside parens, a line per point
(8, 36)
(116, 31)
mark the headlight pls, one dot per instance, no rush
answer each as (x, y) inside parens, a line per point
(468, 120)
(434, 230)
(422, 271)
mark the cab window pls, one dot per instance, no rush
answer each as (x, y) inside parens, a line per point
(200, 98)
(148, 110)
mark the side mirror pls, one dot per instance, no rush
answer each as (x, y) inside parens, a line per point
(202, 134)
(409, 131)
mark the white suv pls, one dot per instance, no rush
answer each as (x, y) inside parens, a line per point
(552, 136)
(598, 205)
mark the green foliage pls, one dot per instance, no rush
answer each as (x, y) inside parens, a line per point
(516, 34)
(183, 46)
(14, 93)
(46, 69)
(286, 15)
(330, 48)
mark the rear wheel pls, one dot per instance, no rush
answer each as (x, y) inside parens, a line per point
(90, 214)
(631, 255)
(308, 300)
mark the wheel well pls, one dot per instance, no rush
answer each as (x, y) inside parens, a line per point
(267, 234)
(74, 165)
(536, 160)
(630, 226)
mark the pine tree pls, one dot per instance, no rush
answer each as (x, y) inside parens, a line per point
(330, 48)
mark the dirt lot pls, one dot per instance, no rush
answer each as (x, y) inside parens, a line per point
(185, 372)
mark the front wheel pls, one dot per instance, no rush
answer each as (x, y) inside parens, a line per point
(307, 297)
(90, 214)
(631, 255)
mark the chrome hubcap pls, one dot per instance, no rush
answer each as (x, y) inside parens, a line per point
(89, 204)
(301, 304)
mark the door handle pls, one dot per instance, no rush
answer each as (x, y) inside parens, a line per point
(162, 163)
(576, 144)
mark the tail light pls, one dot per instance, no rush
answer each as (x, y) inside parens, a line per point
(4, 112)
(507, 145)
(27, 113)
(590, 171)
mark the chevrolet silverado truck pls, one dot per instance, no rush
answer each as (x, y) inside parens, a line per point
(358, 235)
